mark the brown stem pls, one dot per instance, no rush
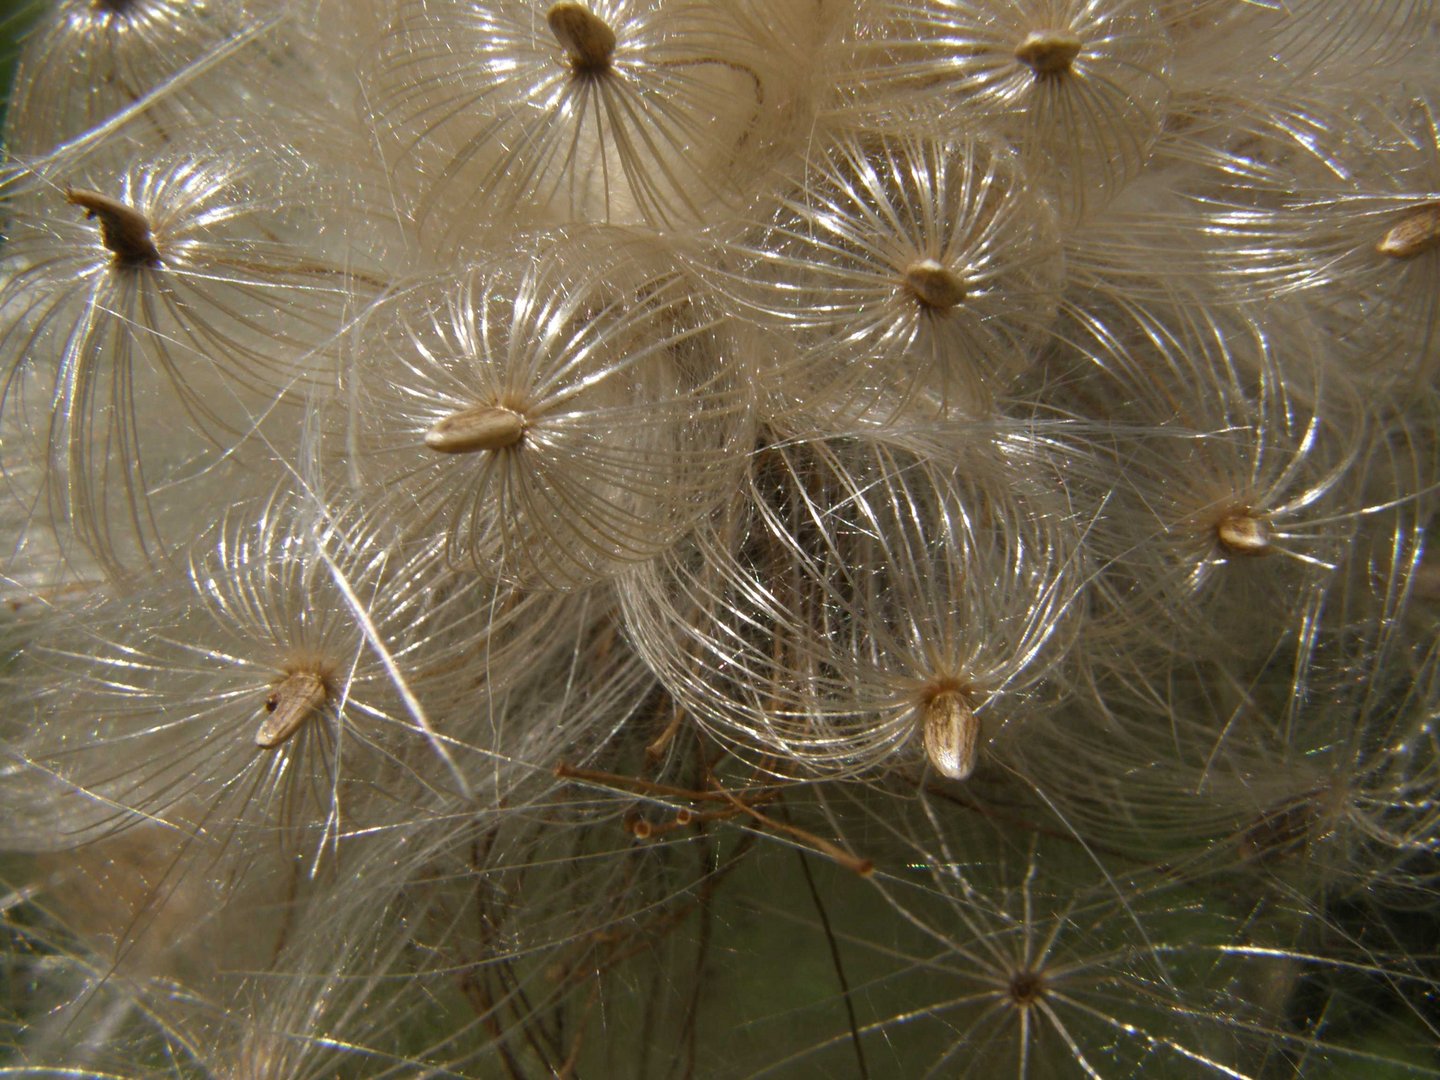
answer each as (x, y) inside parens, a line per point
(638, 785)
(863, 867)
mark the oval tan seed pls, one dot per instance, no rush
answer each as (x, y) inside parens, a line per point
(293, 702)
(1415, 234)
(482, 427)
(1243, 535)
(1048, 52)
(951, 734)
(124, 230)
(934, 285)
(582, 34)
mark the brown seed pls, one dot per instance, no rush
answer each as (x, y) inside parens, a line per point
(951, 734)
(294, 701)
(582, 34)
(1048, 52)
(934, 285)
(1416, 233)
(481, 427)
(1026, 987)
(123, 229)
(1244, 536)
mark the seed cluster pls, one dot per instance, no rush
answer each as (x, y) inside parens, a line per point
(719, 538)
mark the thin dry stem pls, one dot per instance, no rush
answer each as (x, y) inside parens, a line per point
(655, 750)
(863, 867)
(639, 785)
(643, 829)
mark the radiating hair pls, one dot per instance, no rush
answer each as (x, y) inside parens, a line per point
(895, 273)
(860, 599)
(552, 416)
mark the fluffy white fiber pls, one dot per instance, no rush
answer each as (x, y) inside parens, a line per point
(705, 538)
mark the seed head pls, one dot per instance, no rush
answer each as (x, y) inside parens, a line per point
(293, 702)
(483, 427)
(935, 285)
(123, 229)
(1416, 233)
(1244, 535)
(585, 36)
(1026, 987)
(951, 734)
(1048, 52)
